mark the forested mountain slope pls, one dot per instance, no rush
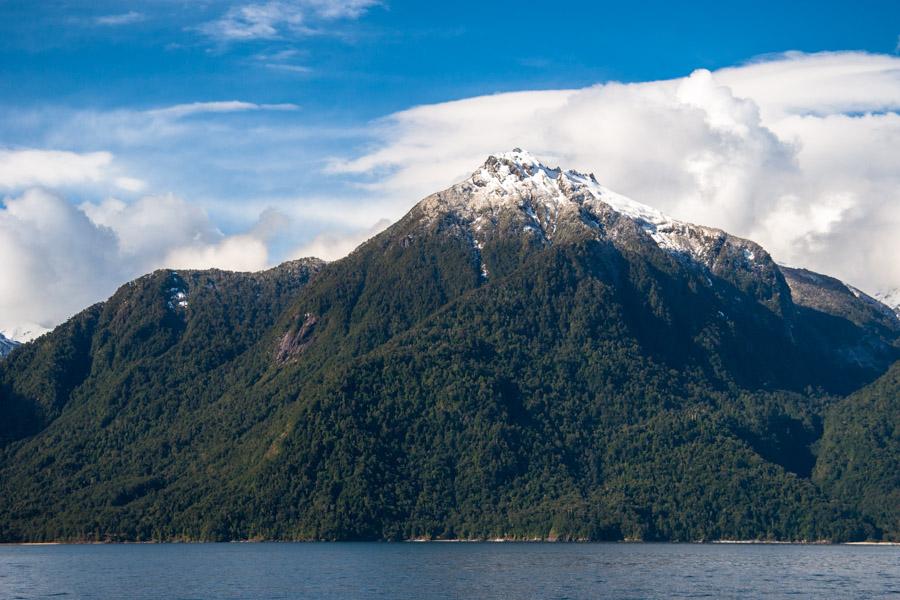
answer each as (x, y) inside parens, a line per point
(525, 354)
(859, 458)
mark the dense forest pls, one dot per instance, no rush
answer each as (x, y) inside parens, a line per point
(586, 390)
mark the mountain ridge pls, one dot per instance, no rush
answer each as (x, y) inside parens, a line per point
(447, 382)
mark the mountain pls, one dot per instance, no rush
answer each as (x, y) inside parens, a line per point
(890, 298)
(23, 332)
(11, 337)
(872, 339)
(164, 326)
(523, 355)
(6, 345)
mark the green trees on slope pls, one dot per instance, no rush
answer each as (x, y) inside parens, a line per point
(580, 391)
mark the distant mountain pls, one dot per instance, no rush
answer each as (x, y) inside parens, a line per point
(871, 341)
(11, 337)
(6, 345)
(890, 298)
(23, 332)
(524, 355)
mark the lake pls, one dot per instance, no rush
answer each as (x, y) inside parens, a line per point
(448, 570)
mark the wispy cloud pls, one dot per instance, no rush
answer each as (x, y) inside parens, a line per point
(120, 19)
(285, 60)
(289, 68)
(193, 108)
(278, 19)
(277, 55)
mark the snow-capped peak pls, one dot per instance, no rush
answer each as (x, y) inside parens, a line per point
(511, 173)
(522, 159)
(522, 165)
(552, 203)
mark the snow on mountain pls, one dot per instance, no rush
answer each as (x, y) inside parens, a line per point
(552, 203)
(177, 293)
(23, 332)
(891, 299)
(6, 345)
(884, 305)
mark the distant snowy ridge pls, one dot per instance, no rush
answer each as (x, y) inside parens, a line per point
(891, 299)
(16, 335)
(883, 304)
(23, 332)
(6, 345)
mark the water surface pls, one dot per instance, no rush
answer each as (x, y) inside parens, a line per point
(449, 570)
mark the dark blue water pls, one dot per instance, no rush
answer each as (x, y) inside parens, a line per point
(469, 571)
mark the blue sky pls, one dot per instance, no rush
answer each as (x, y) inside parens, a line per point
(265, 128)
(367, 60)
(397, 54)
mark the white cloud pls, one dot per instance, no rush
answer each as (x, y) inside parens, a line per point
(55, 260)
(809, 170)
(820, 84)
(193, 108)
(166, 231)
(300, 69)
(130, 184)
(59, 258)
(332, 245)
(55, 168)
(19, 168)
(281, 18)
(120, 19)
(236, 253)
(798, 152)
(146, 229)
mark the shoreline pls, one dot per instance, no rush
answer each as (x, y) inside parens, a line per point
(461, 541)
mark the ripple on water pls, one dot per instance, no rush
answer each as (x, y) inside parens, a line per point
(471, 571)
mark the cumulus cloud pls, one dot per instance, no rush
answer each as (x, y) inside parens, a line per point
(59, 258)
(130, 184)
(280, 18)
(332, 245)
(55, 260)
(797, 152)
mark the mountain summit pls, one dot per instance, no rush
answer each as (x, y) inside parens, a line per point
(514, 194)
(515, 190)
(523, 355)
